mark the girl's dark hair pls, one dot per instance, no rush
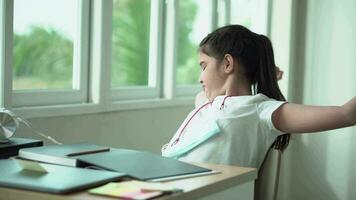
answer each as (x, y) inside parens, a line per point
(255, 53)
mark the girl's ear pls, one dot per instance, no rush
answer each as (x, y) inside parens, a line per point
(228, 64)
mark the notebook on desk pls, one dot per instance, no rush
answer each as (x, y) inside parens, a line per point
(142, 165)
(60, 154)
(59, 179)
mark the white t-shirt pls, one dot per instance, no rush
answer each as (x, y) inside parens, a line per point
(236, 130)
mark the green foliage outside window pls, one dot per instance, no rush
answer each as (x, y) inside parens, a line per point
(42, 59)
(130, 42)
(187, 62)
(130, 53)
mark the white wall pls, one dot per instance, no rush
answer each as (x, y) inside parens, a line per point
(323, 72)
(145, 129)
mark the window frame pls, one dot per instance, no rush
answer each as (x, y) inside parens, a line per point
(5, 64)
(223, 12)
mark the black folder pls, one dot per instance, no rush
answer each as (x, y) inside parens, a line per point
(59, 179)
(142, 165)
(12, 147)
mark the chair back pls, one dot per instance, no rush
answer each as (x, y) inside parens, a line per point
(266, 184)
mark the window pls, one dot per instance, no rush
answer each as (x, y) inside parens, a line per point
(224, 10)
(193, 27)
(94, 56)
(194, 22)
(252, 14)
(130, 42)
(135, 27)
(242, 12)
(47, 52)
(43, 44)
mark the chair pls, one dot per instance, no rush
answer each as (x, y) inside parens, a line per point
(266, 185)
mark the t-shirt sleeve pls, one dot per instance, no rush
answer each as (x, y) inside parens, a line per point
(265, 111)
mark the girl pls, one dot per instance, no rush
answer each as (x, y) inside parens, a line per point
(244, 112)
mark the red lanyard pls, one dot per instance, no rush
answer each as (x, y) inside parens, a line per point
(186, 124)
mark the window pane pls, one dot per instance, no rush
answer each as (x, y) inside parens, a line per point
(241, 12)
(194, 24)
(43, 43)
(130, 43)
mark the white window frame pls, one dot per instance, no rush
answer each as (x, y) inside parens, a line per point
(5, 64)
(153, 89)
(79, 92)
(224, 12)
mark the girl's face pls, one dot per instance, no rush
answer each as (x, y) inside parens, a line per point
(212, 76)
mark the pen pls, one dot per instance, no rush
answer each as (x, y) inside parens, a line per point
(88, 152)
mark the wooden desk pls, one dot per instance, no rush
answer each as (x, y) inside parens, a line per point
(233, 182)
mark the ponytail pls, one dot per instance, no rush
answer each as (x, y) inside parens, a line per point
(266, 82)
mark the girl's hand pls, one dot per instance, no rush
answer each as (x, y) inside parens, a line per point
(279, 73)
(349, 109)
(200, 99)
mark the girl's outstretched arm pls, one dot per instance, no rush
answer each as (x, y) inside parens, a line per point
(296, 118)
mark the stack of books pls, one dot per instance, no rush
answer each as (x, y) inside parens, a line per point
(53, 162)
(61, 154)
(137, 165)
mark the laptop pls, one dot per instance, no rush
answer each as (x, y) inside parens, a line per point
(59, 179)
(142, 165)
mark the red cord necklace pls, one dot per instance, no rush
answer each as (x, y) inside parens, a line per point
(186, 124)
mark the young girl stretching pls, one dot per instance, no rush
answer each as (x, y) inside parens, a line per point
(242, 112)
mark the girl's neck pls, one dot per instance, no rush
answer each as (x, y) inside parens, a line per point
(238, 87)
(239, 91)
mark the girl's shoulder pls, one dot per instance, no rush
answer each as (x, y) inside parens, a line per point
(259, 104)
(248, 100)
